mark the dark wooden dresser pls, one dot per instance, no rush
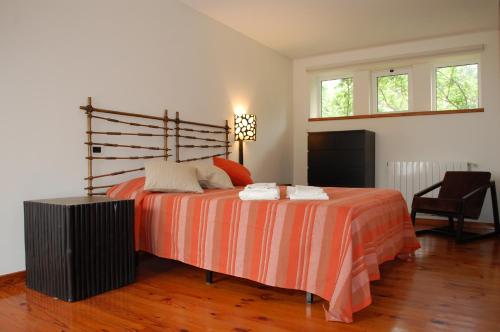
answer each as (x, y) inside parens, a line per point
(79, 247)
(341, 158)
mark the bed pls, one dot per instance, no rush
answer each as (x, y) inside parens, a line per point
(332, 248)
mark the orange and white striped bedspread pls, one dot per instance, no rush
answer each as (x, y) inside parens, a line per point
(329, 248)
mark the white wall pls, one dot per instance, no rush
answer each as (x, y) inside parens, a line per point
(137, 56)
(465, 137)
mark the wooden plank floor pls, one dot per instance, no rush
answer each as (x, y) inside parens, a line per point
(448, 287)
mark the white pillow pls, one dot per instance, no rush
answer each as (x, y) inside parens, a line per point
(218, 179)
(169, 176)
(203, 171)
(211, 176)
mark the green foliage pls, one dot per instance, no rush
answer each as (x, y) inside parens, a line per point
(337, 97)
(392, 93)
(457, 87)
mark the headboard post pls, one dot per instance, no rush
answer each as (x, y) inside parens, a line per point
(177, 159)
(165, 131)
(227, 140)
(89, 146)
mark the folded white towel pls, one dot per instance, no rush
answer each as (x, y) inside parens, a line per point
(315, 197)
(308, 189)
(306, 193)
(259, 194)
(261, 185)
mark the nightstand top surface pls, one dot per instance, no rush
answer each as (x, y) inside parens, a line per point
(76, 200)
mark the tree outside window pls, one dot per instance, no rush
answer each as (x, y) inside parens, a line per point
(337, 97)
(392, 93)
(457, 87)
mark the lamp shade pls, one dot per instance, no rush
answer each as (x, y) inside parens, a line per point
(245, 127)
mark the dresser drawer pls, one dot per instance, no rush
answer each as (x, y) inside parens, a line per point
(337, 140)
(336, 158)
(337, 177)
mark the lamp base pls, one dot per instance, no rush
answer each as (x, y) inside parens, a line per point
(240, 152)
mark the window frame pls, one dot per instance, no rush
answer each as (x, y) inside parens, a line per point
(319, 85)
(390, 72)
(456, 63)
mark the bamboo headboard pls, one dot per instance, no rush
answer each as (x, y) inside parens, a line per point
(185, 133)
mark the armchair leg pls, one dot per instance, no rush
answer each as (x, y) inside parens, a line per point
(451, 222)
(413, 216)
(494, 204)
(460, 228)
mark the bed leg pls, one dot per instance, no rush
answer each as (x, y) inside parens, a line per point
(209, 277)
(309, 298)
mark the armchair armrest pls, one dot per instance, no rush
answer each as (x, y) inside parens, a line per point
(477, 190)
(429, 189)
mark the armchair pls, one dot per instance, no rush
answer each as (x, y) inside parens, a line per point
(461, 196)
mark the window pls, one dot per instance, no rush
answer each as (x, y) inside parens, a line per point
(337, 97)
(391, 91)
(457, 87)
(426, 85)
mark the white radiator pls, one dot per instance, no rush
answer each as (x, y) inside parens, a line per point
(410, 177)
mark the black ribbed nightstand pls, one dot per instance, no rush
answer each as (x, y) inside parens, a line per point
(79, 247)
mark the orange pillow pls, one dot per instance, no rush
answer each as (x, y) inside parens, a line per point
(239, 174)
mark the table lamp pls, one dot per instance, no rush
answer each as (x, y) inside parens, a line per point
(245, 129)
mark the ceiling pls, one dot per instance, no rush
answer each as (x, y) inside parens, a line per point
(301, 28)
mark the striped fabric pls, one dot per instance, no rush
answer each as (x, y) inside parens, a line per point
(329, 248)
